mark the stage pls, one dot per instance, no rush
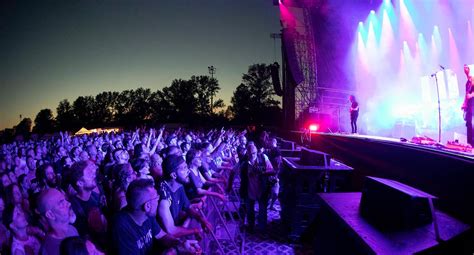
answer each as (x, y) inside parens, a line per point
(434, 148)
(447, 174)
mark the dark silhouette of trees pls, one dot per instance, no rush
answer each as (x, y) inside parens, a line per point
(181, 97)
(241, 104)
(44, 122)
(124, 106)
(65, 118)
(23, 128)
(83, 108)
(140, 111)
(161, 108)
(206, 89)
(253, 100)
(104, 108)
(192, 101)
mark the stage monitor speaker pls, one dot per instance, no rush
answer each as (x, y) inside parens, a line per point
(391, 205)
(314, 158)
(286, 145)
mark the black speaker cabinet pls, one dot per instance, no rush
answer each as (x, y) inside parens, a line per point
(314, 158)
(391, 205)
(286, 145)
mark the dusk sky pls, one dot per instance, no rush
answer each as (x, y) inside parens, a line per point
(54, 50)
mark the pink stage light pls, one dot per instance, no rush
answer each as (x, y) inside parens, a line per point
(453, 52)
(313, 127)
(361, 52)
(407, 26)
(387, 36)
(470, 39)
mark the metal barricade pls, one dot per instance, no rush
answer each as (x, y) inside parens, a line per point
(225, 236)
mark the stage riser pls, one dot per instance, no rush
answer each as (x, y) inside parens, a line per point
(299, 220)
(299, 188)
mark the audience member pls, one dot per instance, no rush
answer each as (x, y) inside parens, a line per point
(87, 204)
(174, 207)
(57, 212)
(135, 228)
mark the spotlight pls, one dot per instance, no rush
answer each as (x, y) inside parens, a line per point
(313, 127)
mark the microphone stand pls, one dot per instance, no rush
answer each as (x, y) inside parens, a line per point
(435, 75)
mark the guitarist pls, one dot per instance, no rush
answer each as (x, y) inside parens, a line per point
(354, 110)
(468, 104)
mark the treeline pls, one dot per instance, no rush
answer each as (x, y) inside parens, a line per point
(184, 101)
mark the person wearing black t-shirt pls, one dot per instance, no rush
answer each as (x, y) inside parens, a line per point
(87, 203)
(174, 206)
(354, 111)
(135, 228)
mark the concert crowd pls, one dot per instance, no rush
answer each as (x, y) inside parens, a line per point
(131, 192)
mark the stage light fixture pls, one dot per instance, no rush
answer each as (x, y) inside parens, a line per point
(276, 2)
(313, 127)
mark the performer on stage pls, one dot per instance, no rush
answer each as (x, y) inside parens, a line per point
(354, 110)
(468, 104)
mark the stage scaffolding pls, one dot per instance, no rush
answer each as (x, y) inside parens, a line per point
(300, 60)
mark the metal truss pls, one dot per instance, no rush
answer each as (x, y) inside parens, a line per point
(306, 92)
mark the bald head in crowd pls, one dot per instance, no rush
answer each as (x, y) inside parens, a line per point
(52, 204)
(56, 210)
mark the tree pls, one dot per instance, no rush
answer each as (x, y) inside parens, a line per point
(161, 108)
(140, 110)
(44, 122)
(206, 90)
(253, 98)
(123, 106)
(23, 128)
(181, 97)
(241, 101)
(83, 108)
(104, 108)
(65, 119)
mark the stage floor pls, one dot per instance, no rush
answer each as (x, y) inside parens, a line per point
(433, 147)
(447, 174)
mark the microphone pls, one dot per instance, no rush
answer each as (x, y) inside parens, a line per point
(442, 67)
